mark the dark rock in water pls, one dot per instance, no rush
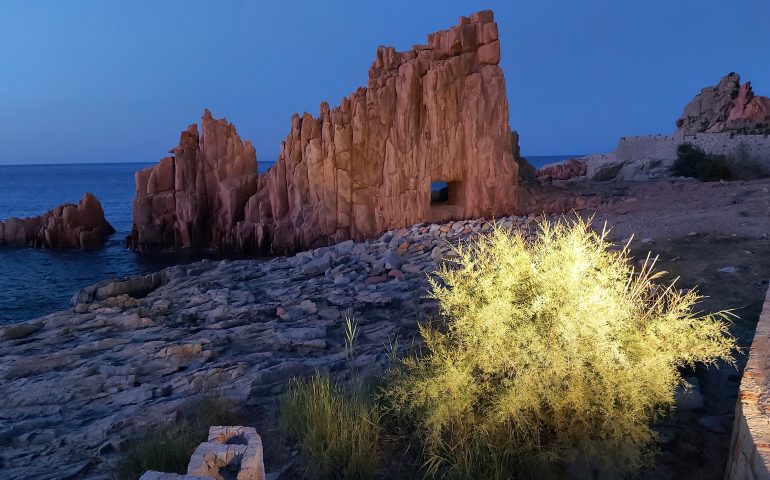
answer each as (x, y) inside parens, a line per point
(80, 226)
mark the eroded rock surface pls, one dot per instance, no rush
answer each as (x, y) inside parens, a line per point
(80, 226)
(563, 171)
(728, 106)
(75, 384)
(436, 113)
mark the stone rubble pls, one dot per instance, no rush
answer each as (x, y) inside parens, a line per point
(75, 384)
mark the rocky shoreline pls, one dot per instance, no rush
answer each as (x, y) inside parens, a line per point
(75, 384)
(131, 353)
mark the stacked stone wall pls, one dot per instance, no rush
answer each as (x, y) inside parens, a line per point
(663, 147)
(750, 447)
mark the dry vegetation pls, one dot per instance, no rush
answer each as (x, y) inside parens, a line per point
(552, 355)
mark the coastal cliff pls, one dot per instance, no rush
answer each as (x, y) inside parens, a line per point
(80, 226)
(436, 113)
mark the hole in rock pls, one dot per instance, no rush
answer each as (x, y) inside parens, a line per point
(439, 192)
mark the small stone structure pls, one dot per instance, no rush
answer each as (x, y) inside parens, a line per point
(231, 453)
(750, 447)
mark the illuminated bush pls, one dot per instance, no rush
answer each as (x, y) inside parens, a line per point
(552, 352)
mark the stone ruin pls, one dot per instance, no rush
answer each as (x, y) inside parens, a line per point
(434, 115)
(230, 453)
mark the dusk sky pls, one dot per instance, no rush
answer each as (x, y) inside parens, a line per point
(117, 81)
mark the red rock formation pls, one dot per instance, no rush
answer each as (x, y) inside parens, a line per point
(80, 226)
(728, 106)
(438, 112)
(750, 109)
(563, 171)
(195, 198)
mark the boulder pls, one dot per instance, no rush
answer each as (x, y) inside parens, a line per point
(80, 226)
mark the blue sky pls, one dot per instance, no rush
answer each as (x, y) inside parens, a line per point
(96, 81)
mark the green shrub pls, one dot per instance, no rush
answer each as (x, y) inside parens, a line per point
(692, 161)
(553, 353)
(168, 447)
(338, 428)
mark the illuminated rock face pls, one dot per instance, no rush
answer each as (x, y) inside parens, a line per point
(726, 107)
(437, 113)
(69, 226)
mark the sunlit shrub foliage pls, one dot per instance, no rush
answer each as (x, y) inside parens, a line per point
(553, 352)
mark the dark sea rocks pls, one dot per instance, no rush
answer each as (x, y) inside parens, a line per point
(80, 226)
(435, 113)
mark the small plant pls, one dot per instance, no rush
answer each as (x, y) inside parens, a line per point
(351, 334)
(338, 428)
(168, 447)
(554, 352)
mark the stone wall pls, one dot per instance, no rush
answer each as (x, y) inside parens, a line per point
(650, 156)
(435, 113)
(750, 449)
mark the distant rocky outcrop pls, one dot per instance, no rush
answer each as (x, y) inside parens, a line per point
(726, 107)
(562, 171)
(80, 226)
(436, 113)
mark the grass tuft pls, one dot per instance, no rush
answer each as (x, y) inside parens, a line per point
(338, 428)
(168, 447)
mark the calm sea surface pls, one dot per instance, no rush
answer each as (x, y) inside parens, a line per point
(37, 282)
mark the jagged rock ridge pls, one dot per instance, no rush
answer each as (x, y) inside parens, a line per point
(726, 107)
(436, 113)
(80, 226)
